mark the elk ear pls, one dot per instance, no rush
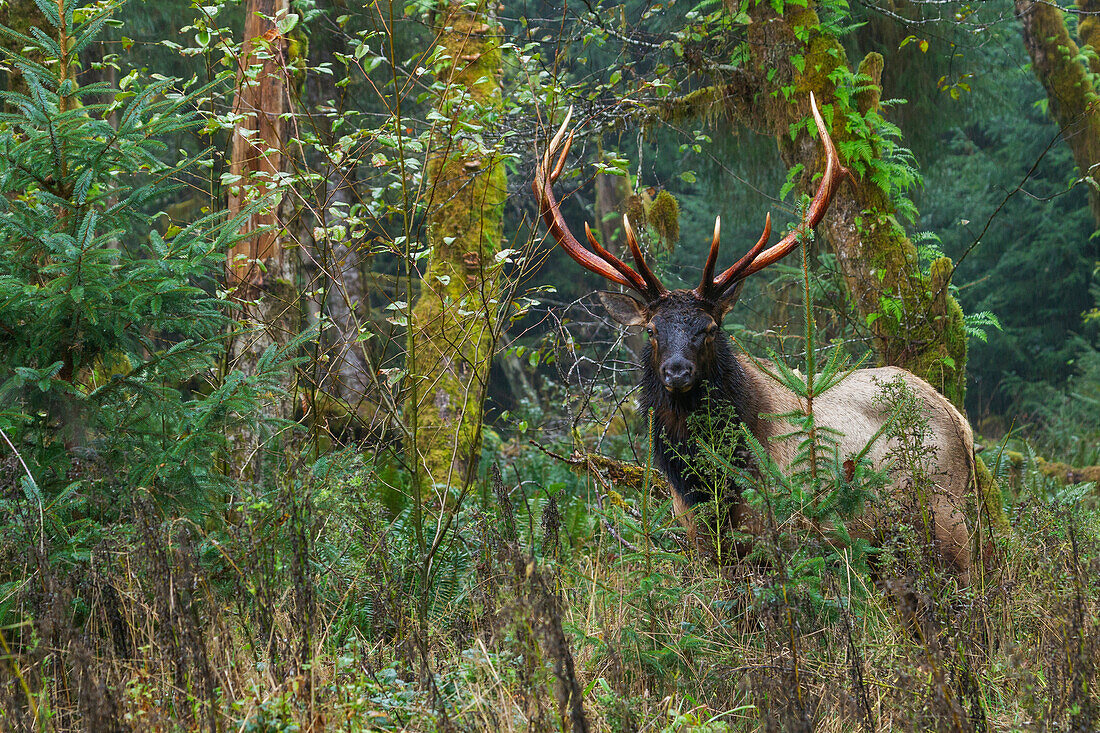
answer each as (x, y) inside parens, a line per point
(623, 309)
(727, 301)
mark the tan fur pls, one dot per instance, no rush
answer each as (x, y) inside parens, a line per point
(849, 407)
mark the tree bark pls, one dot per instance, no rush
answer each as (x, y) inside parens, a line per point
(453, 321)
(259, 271)
(256, 156)
(612, 193)
(1072, 99)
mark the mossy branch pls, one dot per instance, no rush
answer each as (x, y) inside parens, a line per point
(611, 471)
(1073, 101)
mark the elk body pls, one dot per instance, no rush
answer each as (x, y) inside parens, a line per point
(689, 360)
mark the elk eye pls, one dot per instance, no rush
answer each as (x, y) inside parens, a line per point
(651, 331)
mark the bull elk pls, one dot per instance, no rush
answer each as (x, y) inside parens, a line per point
(686, 359)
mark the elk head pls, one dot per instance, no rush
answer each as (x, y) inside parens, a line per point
(682, 324)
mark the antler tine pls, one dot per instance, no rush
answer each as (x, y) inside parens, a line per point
(556, 140)
(731, 275)
(551, 214)
(637, 282)
(561, 159)
(655, 286)
(834, 173)
(706, 284)
(600, 261)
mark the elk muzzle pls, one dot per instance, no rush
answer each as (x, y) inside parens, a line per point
(677, 374)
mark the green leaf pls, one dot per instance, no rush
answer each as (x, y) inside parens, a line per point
(286, 23)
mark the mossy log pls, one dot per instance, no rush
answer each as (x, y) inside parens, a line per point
(609, 472)
(1068, 474)
(1016, 463)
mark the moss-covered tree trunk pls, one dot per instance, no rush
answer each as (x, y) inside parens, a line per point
(1072, 98)
(259, 271)
(20, 16)
(1088, 30)
(916, 323)
(452, 326)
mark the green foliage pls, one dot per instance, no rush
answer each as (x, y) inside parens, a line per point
(874, 151)
(109, 337)
(1067, 419)
(1026, 257)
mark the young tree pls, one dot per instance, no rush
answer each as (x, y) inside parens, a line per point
(107, 328)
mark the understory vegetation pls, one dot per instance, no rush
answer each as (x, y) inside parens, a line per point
(310, 611)
(303, 426)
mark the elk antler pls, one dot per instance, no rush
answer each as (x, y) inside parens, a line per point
(599, 260)
(757, 258)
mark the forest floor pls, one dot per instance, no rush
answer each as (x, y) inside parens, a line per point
(556, 615)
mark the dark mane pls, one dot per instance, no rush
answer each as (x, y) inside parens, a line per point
(674, 446)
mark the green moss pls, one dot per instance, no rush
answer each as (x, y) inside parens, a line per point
(1088, 30)
(1069, 474)
(695, 105)
(663, 218)
(1070, 92)
(634, 208)
(871, 67)
(454, 313)
(21, 16)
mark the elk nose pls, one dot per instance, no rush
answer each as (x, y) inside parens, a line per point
(677, 374)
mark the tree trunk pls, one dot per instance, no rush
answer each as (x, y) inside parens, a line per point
(1072, 99)
(347, 300)
(259, 272)
(612, 193)
(453, 321)
(1088, 30)
(20, 16)
(917, 325)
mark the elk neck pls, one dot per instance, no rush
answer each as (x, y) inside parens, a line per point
(724, 383)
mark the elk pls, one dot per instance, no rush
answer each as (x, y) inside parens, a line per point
(687, 360)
